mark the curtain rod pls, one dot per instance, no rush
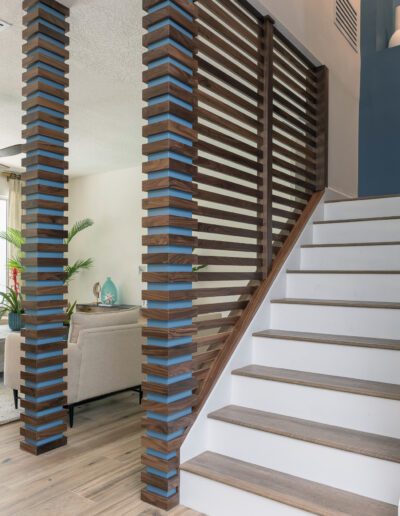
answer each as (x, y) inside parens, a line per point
(11, 175)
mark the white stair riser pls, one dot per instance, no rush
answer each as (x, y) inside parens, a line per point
(363, 231)
(378, 365)
(389, 207)
(363, 322)
(217, 499)
(363, 475)
(360, 287)
(385, 257)
(364, 413)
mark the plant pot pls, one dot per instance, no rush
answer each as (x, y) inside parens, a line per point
(15, 321)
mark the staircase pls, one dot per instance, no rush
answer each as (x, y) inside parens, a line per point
(313, 423)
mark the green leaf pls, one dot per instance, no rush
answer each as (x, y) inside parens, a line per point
(13, 237)
(78, 227)
(76, 267)
(10, 302)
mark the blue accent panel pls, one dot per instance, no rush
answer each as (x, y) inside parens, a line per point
(47, 426)
(170, 249)
(43, 284)
(174, 155)
(170, 41)
(168, 21)
(168, 361)
(156, 453)
(40, 152)
(170, 60)
(51, 40)
(170, 230)
(171, 98)
(44, 298)
(41, 109)
(169, 116)
(48, 9)
(47, 67)
(169, 211)
(49, 82)
(43, 95)
(163, 474)
(169, 305)
(161, 492)
(169, 78)
(165, 437)
(53, 56)
(169, 3)
(43, 182)
(47, 139)
(41, 399)
(170, 286)
(44, 369)
(39, 356)
(44, 197)
(169, 417)
(47, 125)
(170, 192)
(45, 412)
(40, 385)
(39, 342)
(168, 381)
(45, 441)
(168, 399)
(171, 136)
(46, 168)
(169, 324)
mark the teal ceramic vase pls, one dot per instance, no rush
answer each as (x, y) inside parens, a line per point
(109, 293)
(15, 321)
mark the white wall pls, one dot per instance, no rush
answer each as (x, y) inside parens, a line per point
(113, 201)
(3, 186)
(311, 22)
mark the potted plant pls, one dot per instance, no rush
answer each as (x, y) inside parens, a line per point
(11, 304)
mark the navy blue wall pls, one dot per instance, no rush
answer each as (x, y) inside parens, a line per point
(379, 171)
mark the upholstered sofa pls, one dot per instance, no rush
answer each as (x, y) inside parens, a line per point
(104, 356)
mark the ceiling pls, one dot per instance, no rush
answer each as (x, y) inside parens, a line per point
(105, 83)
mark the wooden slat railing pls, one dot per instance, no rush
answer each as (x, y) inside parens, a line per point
(237, 149)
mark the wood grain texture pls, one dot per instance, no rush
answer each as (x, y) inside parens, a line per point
(286, 489)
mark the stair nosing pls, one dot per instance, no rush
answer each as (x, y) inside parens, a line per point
(320, 381)
(352, 244)
(321, 434)
(339, 340)
(342, 271)
(366, 219)
(381, 305)
(374, 197)
(284, 488)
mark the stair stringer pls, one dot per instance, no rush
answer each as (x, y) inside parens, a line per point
(197, 439)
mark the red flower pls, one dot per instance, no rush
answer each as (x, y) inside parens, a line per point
(14, 275)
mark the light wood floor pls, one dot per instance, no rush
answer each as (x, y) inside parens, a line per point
(98, 472)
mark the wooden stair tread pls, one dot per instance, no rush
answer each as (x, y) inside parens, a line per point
(287, 489)
(340, 271)
(338, 302)
(351, 244)
(352, 199)
(367, 219)
(372, 445)
(325, 338)
(322, 381)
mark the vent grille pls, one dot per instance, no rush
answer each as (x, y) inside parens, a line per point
(346, 20)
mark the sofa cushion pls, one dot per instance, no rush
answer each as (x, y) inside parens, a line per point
(83, 321)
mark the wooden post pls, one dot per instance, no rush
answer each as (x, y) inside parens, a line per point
(44, 219)
(267, 60)
(322, 128)
(171, 151)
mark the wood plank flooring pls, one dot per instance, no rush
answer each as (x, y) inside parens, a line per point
(98, 472)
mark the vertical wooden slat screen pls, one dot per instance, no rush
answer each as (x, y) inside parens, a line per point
(171, 151)
(45, 77)
(237, 146)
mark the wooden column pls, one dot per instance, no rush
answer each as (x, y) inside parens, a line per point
(43, 376)
(170, 152)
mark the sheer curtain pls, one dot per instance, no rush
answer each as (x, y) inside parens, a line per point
(14, 208)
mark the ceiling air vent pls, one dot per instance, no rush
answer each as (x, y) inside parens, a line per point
(4, 25)
(346, 20)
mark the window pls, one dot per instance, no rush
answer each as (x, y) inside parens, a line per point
(3, 245)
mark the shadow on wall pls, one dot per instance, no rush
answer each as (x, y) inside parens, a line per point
(379, 101)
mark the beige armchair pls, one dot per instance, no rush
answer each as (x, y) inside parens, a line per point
(104, 356)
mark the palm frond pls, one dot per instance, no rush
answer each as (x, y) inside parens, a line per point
(79, 265)
(15, 263)
(13, 237)
(79, 226)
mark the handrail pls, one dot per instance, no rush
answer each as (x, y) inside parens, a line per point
(237, 161)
